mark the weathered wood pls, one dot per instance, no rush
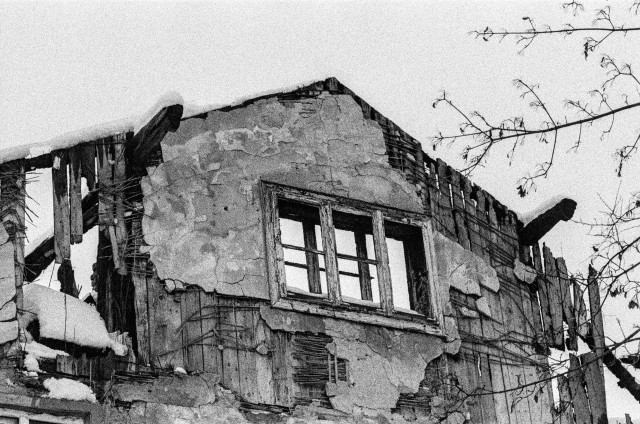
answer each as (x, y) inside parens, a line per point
(164, 320)
(275, 255)
(282, 377)
(567, 304)
(578, 394)
(543, 296)
(595, 387)
(229, 333)
(541, 225)
(139, 280)
(458, 208)
(75, 194)
(434, 194)
(87, 154)
(555, 299)
(265, 387)
(105, 181)
(444, 201)
(595, 306)
(212, 355)
(192, 329)
(583, 324)
(382, 255)
(147, 140)
(246, 319)
(61, 230)
(67, 279)
(119, 185)
(564, 393)
(491, 329)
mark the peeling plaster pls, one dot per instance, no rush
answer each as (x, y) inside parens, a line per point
(462, 269)
(201, 204)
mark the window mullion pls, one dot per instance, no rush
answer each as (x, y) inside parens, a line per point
(382, 255)
(313, 270)
(329, 246)
(363, 268)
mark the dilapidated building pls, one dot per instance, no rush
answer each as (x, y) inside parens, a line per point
(293, 257)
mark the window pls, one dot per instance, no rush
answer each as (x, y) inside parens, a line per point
(353, 255)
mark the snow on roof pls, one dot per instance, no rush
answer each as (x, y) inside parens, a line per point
(63, 317)
(94, 132)
(193, 109)
(529, 216)
(65, 388)
(40, 351)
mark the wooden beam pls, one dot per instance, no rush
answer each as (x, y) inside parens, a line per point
(595, 387)
(149, 137)
(567, 304)
(595, 306)
(541, 225)
(67, 279)
(61, 225)
(583, 324)
(578, 393)
(75, 194)
(555, 299)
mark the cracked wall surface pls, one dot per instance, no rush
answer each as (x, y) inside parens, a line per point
(202, 204)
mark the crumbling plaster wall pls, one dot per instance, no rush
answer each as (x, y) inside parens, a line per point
(202, 204)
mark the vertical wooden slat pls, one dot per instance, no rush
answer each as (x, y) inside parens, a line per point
(432, 186)
(543, 295)
(228, 333)
(492, 329)
(75, 194)
(382, 255)
(458, 208)
(192, 330)
(595, 306)
(578, 394)
(329, 246)
(139, 281)
(567, 304)
(87, 154)
(555, 300)
(444, 201)
(282, 377)
(119, 185)
(212, 356)
(565, 411)
(61, 230)
(105, 180)
(246, 352)
(164, 320)
(595, 387)
(583, 325)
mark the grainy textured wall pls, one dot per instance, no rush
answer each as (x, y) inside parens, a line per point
(202, 204)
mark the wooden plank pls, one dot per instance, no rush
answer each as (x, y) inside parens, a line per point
(543, 295)
(192, 329)
(247, 324)
(555, 299)
(75, 194)
(433, 194)
(595, 306)
(382, 255)
(275, 256)
(564, 409)
(595, 387)
(229, 334)
(444, 201)
(212, 355)
(282, 376)
(567, 304)
(492, 328)
(583, 324)
(105, 180)
(61, 230)
(87, 154)
(578, 393)
(458, 208)
(119, 186)
(139, 281)
(265, 386)
(164, 320)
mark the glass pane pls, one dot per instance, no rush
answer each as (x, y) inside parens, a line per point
(318, 231)
(296, 256)
(398, 269)
(350, 287)
(345, 265)
(291, 232)
(296, 278)
(375, 288)
(323, 281)
(371, 250)
(345, 242)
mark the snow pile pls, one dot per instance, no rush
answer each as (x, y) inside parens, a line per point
(41, 351)
(527, 217)
(31, 363)
(69, 389)
(64, 317)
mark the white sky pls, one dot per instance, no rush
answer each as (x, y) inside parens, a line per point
(70, 65)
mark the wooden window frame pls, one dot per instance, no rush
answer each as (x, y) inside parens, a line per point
(332, 304)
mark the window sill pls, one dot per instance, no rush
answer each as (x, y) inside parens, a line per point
(415, 323)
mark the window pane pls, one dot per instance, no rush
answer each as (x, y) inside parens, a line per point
(345, 242)
(375, 288)
(296, 278)
(350, 287)
(371, 250)
(398, 269)
(291, 232)
(296, 256)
